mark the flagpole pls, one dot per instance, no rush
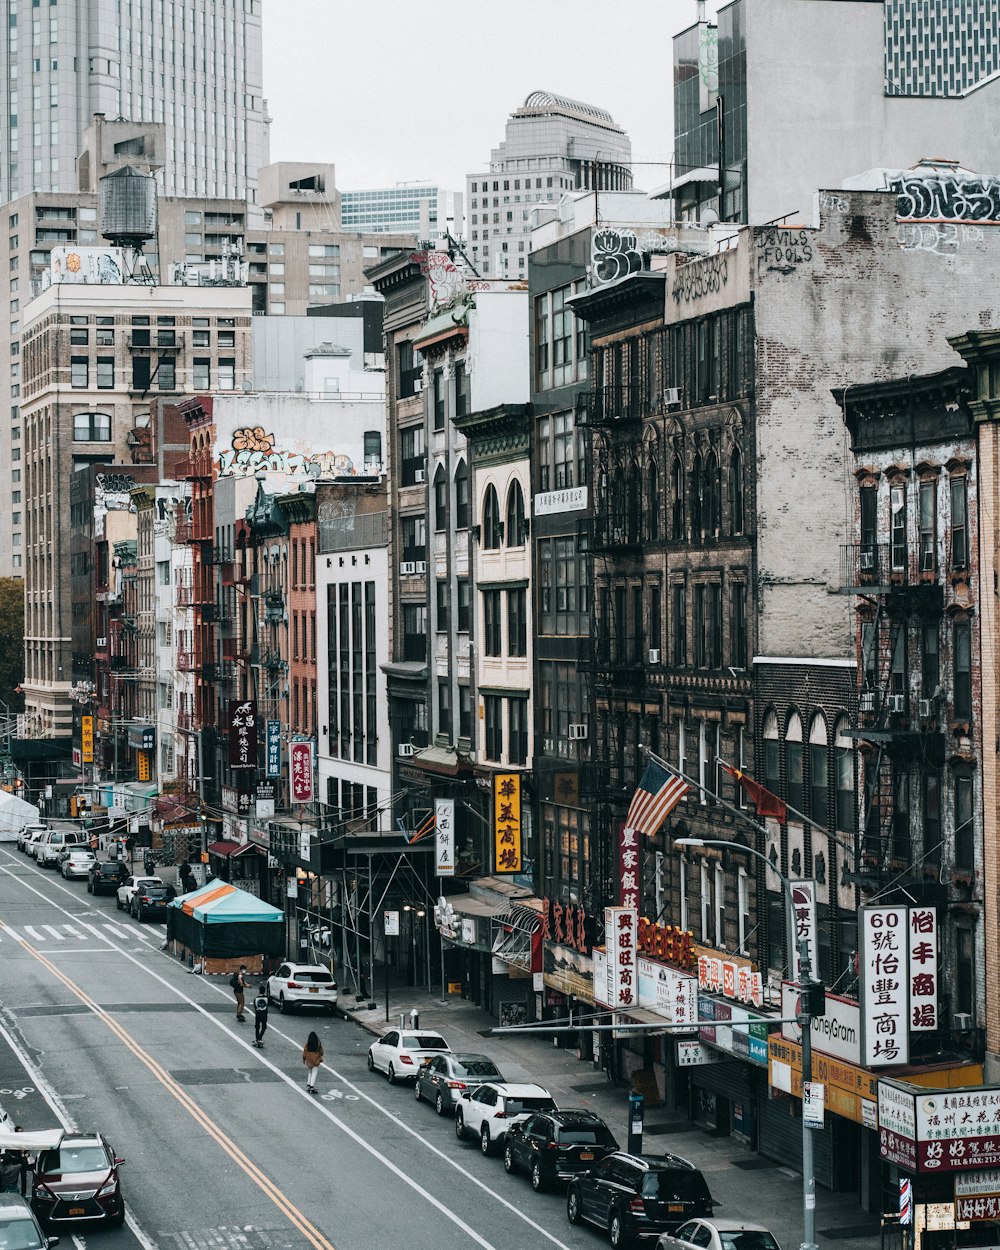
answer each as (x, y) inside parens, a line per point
(696, 785)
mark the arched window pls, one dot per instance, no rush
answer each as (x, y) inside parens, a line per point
(711, 495)
(633, 505)
(846, 795)
(652, 502)
(92, 427)
(677, 500)
(516, 528)
(491, 519)
(772, 754)
(819, 771)
(440, 498)
(696, 500)
(736, 519)
(462, 496)
(793, 762)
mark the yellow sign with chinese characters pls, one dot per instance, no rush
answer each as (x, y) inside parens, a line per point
(87, 739)
(144, 770)
(507, 822)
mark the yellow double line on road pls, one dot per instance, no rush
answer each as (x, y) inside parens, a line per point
(284, 1204)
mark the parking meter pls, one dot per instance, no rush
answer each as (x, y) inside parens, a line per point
(636, 1114)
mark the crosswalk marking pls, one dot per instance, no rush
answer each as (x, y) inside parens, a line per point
(115, 931)
(50, 928)
(82, 930)
(33, 934)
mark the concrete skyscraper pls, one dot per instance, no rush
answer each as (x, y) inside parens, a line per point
(194, 66)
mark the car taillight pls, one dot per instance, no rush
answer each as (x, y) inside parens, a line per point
(406, 1059)
(552, 1146)
(145, 899)
(457, 1085)
(501, 1115)
(637, 1206)
(294, 985)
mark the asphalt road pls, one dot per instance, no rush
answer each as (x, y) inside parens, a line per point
(224, 1149)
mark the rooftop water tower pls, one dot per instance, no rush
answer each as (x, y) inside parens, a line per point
(128, 208)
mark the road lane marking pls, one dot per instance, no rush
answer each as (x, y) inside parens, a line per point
(115, 931)
(260, 1058)
(50, 928)
(33, 934)
(176, 1090)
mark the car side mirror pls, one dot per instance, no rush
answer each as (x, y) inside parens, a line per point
(118, 1162)
(466, 1094)
(52, 1241)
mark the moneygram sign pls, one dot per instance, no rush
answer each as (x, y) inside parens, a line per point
(837, 1034)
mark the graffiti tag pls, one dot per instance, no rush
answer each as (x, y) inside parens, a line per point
(779, 246)
(946, 197)
(706, 276)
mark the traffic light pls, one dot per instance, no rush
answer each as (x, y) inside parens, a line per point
(814, 999)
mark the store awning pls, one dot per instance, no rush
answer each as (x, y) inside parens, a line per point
(229, 850)
(640, 1015)
(517, 937)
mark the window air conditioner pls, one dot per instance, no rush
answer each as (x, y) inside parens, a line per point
(405, 750)
(407, 568)
(895, 704)
(654, 655)
(619, 534)
(962, 1021)
(867, 701)
(867, 561)
(672, 395)
(102, 642)
(420, 566)
(420, 475)
(925, 709)
(548, 747)
(577, 733)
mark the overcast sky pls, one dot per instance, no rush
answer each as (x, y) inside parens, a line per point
(394, 91)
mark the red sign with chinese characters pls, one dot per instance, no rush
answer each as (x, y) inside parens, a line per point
(628, 867)
(300, 756)
(564, 923)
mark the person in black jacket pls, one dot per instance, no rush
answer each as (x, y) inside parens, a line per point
(260, 1006)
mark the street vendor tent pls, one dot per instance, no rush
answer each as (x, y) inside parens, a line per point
(14, 815)
(218, 921)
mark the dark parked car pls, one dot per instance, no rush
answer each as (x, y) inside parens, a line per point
(77, 1181)
(18, 1226)
(150, 902)
(106, 877)
(557, 1145)
(635, 1196)
(446, 1077)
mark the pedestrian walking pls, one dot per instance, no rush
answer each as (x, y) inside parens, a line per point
(239, 983)
(187, 880)
(312, 1057)
(95, 842)
(260, 1005)
(14, 1170)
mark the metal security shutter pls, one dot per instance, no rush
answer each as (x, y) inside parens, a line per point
(731, 1080)
(780, 1137)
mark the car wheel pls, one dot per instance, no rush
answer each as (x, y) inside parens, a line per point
(416, 1090)
(138, 914)
(508, 1160)
(439, 1103)
(616, 1230)
(371, 1062)
(281, 1004)
(573, 1206)
(460, 1125)
(537, 1179)
(392, 1075)
(119, 904)
(90, 887)
(116, 1221)
(485, 1144)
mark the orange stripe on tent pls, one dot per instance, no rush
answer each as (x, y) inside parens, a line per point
(220, 892)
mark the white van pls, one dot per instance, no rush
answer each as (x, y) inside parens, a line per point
(52, 847)
(27, 832)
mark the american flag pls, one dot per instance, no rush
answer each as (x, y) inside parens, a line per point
(658, 794)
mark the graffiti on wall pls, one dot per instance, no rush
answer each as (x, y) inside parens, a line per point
(616, 251)
(252, 450)
(952, 195)
(443, 276)
(702, 277)
(784, 249)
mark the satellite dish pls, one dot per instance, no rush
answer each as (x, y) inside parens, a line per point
(710, 217)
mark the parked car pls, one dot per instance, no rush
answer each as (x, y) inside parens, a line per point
(58, 841)
(635, 1196)
(130, 886)
(38, 836)
(443, 1080)
(76, 863)
(150, 902)
(303, 985)
(400, 1054)
(489, 1110)
(718, 1235)
(105, 877)
(557, 1145)
(26, 833)
(19, 1227)
(78, 1181)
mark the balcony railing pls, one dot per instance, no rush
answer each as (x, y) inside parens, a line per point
(869, 566)
(617, 534)
(366, 529)
(614, 405)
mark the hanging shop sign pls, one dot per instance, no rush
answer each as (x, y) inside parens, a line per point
(242, 733)
(922, 958)
(883, 961)
(444, 837)
(850, 1091)
(272, 753)
(667, 942)
(87, 739)
(730, 979)
(620, 925)
(628, 867)
(804, 905)
(565, 923)
(838, 1033)
(977, 1195)
(507, 822)
(300, 755)
(734, 1029)
(671, 994)
(694, 1054)
(568, 971)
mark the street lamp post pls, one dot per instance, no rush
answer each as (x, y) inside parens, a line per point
(805, 1021)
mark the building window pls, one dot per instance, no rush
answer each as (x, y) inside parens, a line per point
(516, 527)
(462, 397)
(564, 588)
(201, 373)
(413, 456)
(79, 336)
(227, 374)
(678, 625)
(493, 740)
(963, 671)
(491, 623)
(517, 622)
(408, 370)
(932, 817)
(373, 451)
(463, 613)
(92, 427)
(517, 711)
(928, 526)
(897, 529)
(440, 499)
(562, 704)
(105, 373)
(677, 500)
(443, 599)
(414, 533)
(930, 666)
(464, 712)
(964, 825)
(561, 453)
(462, 496)
(819, 780)
(166, 373)
(965, 966)
(439, 405)
(738, 624)
(79, 372)
(793, 763)
(959, 524)
(444, 707)
(845, 779)
(736, 518)
(492, 529)
(415, 633)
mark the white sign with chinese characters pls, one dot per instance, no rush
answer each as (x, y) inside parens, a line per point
(620, 932)
(804, 904)
(883, 968)
(694, 1054)
(559, 501)
(813, 1103)
(923, 968)
(672, 994)
(444, 835)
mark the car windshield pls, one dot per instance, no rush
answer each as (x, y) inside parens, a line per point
(585, 1135)
(19, 1233)
(317, 978)
(470, 1065)
(676, 1185)
(515, 1106)
(155, 891)
(747, 1239)
(108, 870)
(423, 1041)
(73, 1159)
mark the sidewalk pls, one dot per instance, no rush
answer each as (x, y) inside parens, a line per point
(743, 1184)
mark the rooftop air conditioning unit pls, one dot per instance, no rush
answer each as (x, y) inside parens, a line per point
(420, 475)
(407, 568)
(654, 655)
(405, 750)
(896, 704)
(925, 709)
(577, 733)
(866, 702)
(420, 566)
(962, 1021)
(672, 395)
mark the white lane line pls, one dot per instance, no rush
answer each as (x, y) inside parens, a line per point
(71, 931)
(13, 933)
(137, 932)
(115, 930)
(50, 928)
(365, 1145)
(33, 933)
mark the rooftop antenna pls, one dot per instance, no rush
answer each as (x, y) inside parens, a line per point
(701, 10)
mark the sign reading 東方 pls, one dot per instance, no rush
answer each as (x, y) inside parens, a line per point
(242, 733)
(507, 822)
(620, 944)
(300, 756)
(804, 902)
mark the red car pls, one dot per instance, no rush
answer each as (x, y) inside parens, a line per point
(77, 1181)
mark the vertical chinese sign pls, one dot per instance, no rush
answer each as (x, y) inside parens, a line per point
(507, 822)
(300, 755)
(804, 905)
(444, 836)
(620, 933)
(628, 867)
(272, 753)
(885, 999)
(242, 733)
(923, 961)
(87, 739)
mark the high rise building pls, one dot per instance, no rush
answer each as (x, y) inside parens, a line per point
(416, 208)
(194, 67)
(908, 81)
(552, 146)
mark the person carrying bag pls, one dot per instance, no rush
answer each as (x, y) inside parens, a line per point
(312, 1057)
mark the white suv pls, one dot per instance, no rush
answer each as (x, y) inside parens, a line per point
(302, 985)
(128, 888)
(489, 1110)
(58, 841)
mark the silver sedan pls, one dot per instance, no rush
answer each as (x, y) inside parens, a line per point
(718, 1235)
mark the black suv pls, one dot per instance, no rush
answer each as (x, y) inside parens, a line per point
(106, 877)
(557, 1145)
(151, 901)
(638, 1196)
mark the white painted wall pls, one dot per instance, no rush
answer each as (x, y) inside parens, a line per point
(498, 357)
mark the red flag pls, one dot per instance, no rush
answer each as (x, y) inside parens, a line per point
(766, 803)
